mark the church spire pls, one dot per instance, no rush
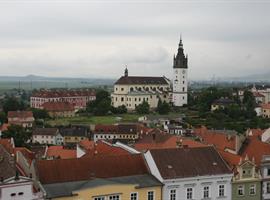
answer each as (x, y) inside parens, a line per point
(180, 43)
(126, 72)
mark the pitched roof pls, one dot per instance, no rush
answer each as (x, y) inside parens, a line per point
(155, 140)
(45, 131)
(63, 93)
(223, 101)
(20, 114)
(265, 106)
(60, 152)
(189, 162)
(257, 94)
(255, 148)
(117, 129)
(74, 131)
(52, 171)
(141, 80)
(231, 159)
(220, 139)
(7, 164)
(58, 106)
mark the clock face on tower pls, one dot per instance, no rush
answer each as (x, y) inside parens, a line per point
(183, 71)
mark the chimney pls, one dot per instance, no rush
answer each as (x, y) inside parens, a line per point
(154, 136)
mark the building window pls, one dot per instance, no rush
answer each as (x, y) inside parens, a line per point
(133, 196)
(221, 190)
(172, 194)
(189, 193)
(268, 172)
(122, 98)
(240, 190)
(114, 197)
(183, 89)
(206, 192)
(99, 198)
(252, 190)
(122, 89)
(150, 195)
(268, 187)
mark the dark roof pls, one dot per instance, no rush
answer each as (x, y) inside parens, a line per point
(117, 129)
(128, 128)
(223, 101)
(189, 162)
(74, 131)
(141, 80)
(45, 131)
(7, 164)
(56, 171)
(65, 189)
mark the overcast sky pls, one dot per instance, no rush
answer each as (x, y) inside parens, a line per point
(98, 38)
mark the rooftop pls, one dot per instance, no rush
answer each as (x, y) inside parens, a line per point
(20, 114)
(142, 80)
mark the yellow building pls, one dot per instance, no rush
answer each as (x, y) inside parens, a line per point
(133, 90)
(74, 135)
(138, 187)
(266, 110)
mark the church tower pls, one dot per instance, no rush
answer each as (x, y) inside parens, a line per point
(180, 74)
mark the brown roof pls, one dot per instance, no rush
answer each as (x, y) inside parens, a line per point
(58, 106)
(7, 164)
(141, 80)
(117, 129)
(63, 93)
(56, 171)
(45, 131)
(20, 114)
(265, 106)
(189, 162)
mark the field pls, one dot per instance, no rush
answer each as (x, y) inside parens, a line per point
(83, 120)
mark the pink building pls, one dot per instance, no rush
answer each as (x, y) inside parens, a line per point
(78, 98)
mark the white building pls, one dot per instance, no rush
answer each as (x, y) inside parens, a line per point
(19, 188)
(180, 75)
(47, 136)
(265, 173)
(191, 173)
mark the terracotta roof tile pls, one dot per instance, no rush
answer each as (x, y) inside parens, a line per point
(60, 152)
(55, 171)
(63, 93)
(20, 114)
(265, 106)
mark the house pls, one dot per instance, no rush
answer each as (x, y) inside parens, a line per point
(259, 98)
(75, 134)
(265, 110)
(59, 109)
(265, 172)
(117, 132)
(246, 183)
(78, 98)
(13, 186)
(22, 118)
(221, 104)
(190, 173)
(47, 136)
(102, 177)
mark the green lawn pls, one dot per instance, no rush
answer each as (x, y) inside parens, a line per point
(111, 119)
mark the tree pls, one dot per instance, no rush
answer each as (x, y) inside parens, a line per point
(102, 104)
(163, 107)
(3, 117)
(12, 104)
(18, 133)
(40, 113)
(143, 108)
(103, 107)
(119, 110)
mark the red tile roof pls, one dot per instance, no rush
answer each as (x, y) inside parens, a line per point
(257, 94)
(164, 141)
(60, 152)
(254, 147)
(232, 159)
(221, 141)
(8, 144)
(265, 106)
(58, 106)
(4, 127)
(64, 170)
(102, 148)
(20, 114)
(63, 93)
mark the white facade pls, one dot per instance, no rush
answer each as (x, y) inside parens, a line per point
(21, 189)
(180, 86)
(215, 186)
(48, 139)
(265, 173)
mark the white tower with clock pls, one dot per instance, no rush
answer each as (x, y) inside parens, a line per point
(180, 75)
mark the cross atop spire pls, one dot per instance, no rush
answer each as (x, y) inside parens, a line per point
(126, 71)
(180, 43)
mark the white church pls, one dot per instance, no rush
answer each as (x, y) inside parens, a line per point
(133, 90)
